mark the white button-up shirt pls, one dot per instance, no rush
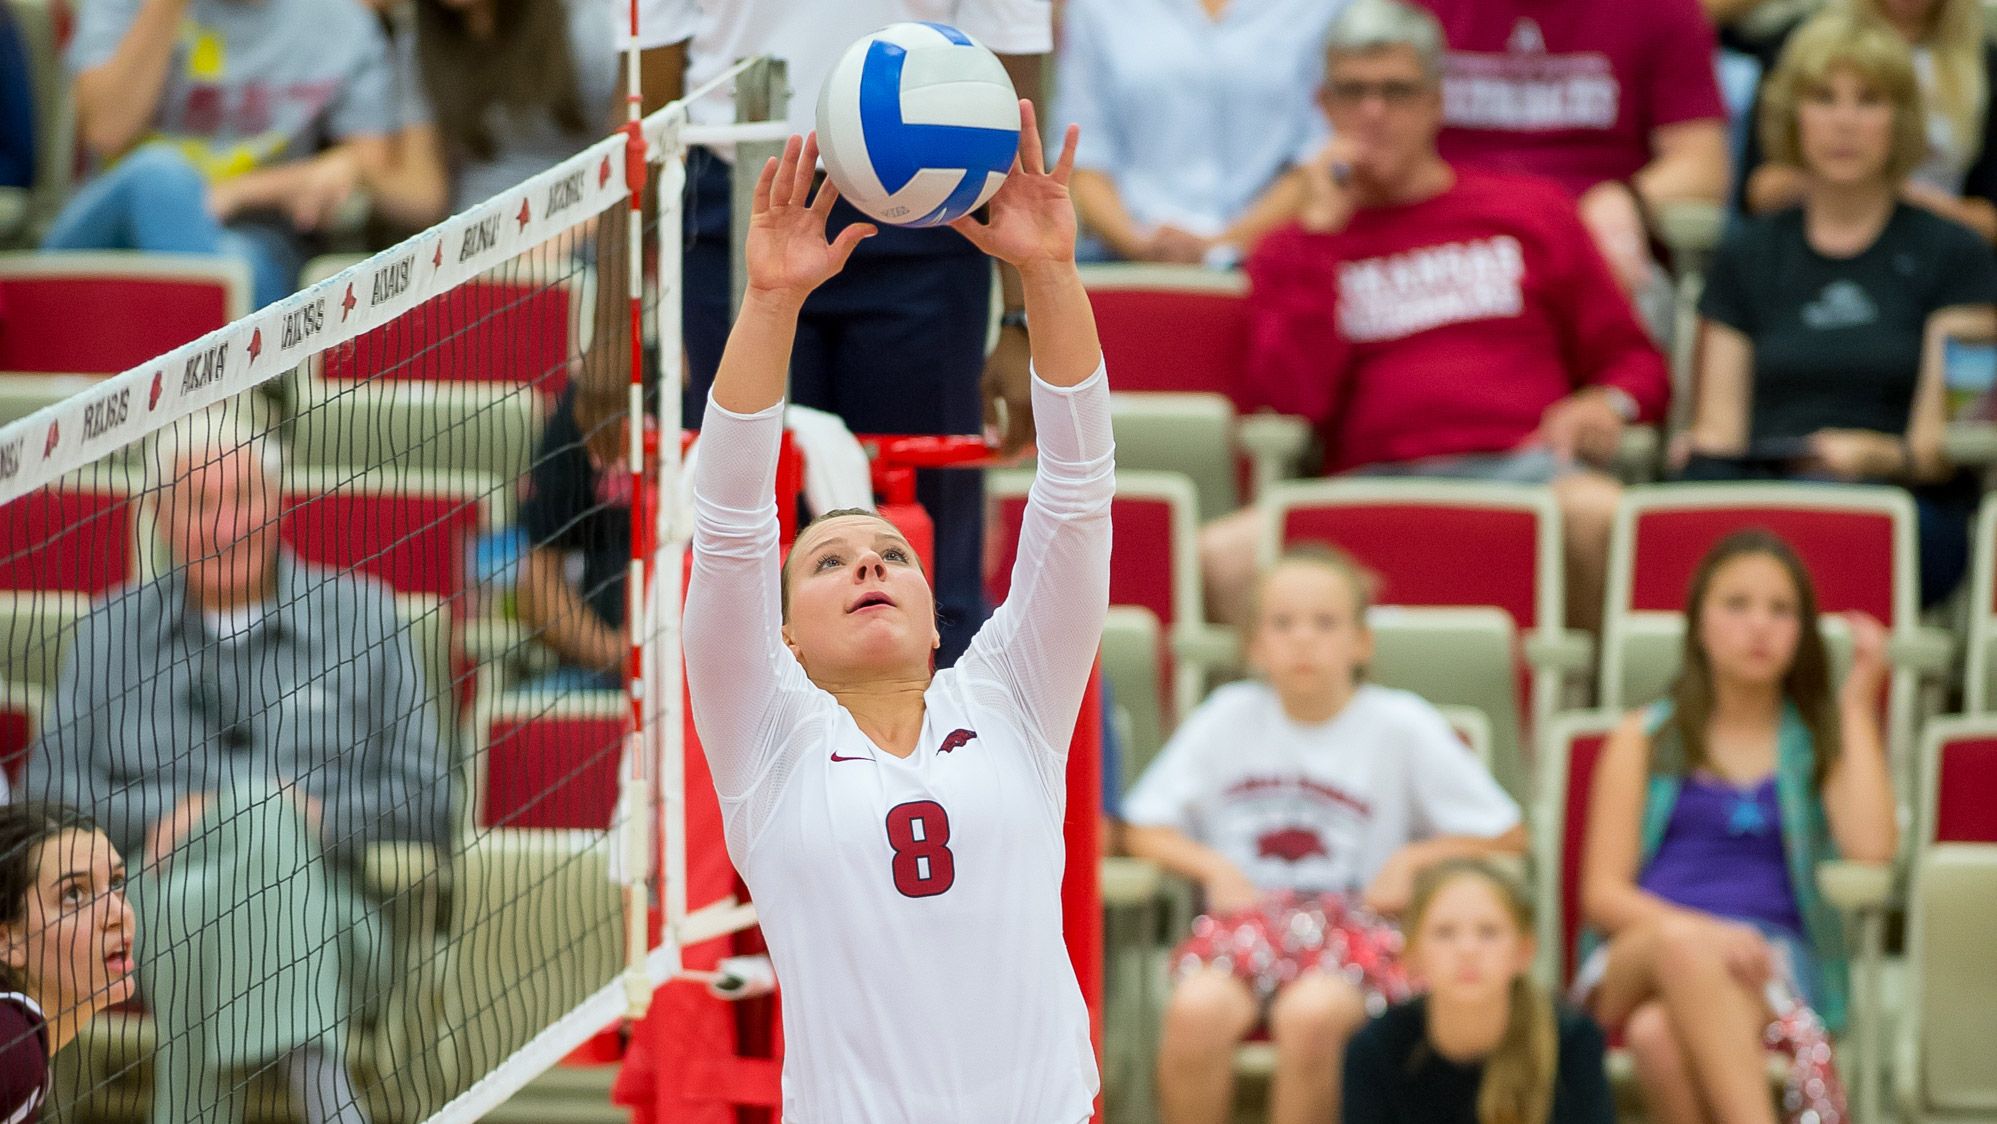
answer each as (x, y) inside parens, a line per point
(1192, 117)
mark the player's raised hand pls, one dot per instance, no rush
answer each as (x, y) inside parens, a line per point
(786, 252)
(1032, 217)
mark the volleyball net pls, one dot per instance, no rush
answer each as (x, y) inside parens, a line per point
(354, 626)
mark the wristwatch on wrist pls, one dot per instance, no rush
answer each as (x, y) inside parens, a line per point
(1013, 318)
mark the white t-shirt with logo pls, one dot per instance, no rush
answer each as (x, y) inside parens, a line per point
(810, 35)
(1317, 807)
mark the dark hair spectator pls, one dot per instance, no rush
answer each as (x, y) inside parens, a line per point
(1709, 814)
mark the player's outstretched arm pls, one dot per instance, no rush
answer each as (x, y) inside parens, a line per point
(1032, 228)
(746, 687)
(786, 256)
(1041, 642)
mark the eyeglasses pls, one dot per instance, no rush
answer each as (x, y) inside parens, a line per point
(1395, 93)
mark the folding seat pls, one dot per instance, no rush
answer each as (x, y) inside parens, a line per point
(1941, 1069)
(103, 312)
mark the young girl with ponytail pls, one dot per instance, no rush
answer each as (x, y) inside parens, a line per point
(1485, 1045)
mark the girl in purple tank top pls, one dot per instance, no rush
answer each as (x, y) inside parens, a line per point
(1708, 816)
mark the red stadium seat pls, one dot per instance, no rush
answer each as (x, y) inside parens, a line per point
(518, 329)
(69, 537)
(413, 530)
(1154, 563)
(550, 761)
(102, 313)
(20, 722)
(1171, 327)
(1980, 679)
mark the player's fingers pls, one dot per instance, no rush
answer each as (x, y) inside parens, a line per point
(828, 194)
(1031, 157)
(973, 230)
(807, 167)
(780, 188)
(1065, 166)
(762, 200)
(849, 239)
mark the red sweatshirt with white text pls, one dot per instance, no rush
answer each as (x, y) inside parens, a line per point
(1443, 327)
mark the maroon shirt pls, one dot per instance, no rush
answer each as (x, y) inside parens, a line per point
(24, 1059)
(1443, 327)
(1571, 89)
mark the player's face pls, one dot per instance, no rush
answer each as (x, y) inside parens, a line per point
(1309, 639)
(219, 522)
(74, 943)
(859, 601)
(1469, 946)
(1844, 128)
(1387, 106)
(1751, 621)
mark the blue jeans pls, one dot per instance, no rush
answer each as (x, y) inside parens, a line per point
(154, 199)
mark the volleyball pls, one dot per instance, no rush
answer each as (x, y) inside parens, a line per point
(918, 124)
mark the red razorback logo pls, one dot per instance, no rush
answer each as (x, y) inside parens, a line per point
(159, 384)
(1291, 844)
(55, 435)
(957, 740)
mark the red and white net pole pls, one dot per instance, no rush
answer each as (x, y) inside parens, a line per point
(635, 800)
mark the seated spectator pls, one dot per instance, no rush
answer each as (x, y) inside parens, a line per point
(65, 942)
(248, 723)
(1955, 174)
(1485, 1043)
(1618, 102)
(1192, 118)
(17, 107)
(516, 86)
(1709, 815)
(1303, 804)
(577, 504)
(206, 116)
(1436, 320)
(1824, 324)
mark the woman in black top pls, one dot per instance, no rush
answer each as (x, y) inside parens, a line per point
(65, 943)
(1486, 1045)
(1825, 325)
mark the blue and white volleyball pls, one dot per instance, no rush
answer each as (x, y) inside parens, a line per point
(918, 124)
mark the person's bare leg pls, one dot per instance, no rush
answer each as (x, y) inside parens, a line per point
(1669, 1095)
(1587, 515)
(1208, 1015)
(1310, 1021)
(1719, 1021)
(1229, 563)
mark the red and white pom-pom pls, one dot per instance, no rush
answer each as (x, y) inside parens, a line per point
(1812, 1093)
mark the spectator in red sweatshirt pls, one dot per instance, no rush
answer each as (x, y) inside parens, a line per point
(1438, 321)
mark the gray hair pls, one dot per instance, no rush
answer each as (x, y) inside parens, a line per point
(1376, 25)
(203, 437)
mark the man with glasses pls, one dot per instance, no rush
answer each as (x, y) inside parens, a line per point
(1436, 320)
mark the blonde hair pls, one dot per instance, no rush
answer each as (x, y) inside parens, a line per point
(1864, 45)
(1961, 90)
(1362, 582)
(1517, 1087)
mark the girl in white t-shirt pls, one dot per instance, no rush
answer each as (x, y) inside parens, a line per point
(1303, 803)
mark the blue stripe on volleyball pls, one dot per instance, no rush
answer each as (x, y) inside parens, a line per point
(898, 151)
(963, 197)
(948, 32)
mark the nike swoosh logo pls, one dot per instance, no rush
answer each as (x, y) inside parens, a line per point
(836, 757)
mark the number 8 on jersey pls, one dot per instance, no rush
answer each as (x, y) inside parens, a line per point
(919, 832)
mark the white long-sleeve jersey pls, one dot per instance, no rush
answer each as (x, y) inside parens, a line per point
(911, 905)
